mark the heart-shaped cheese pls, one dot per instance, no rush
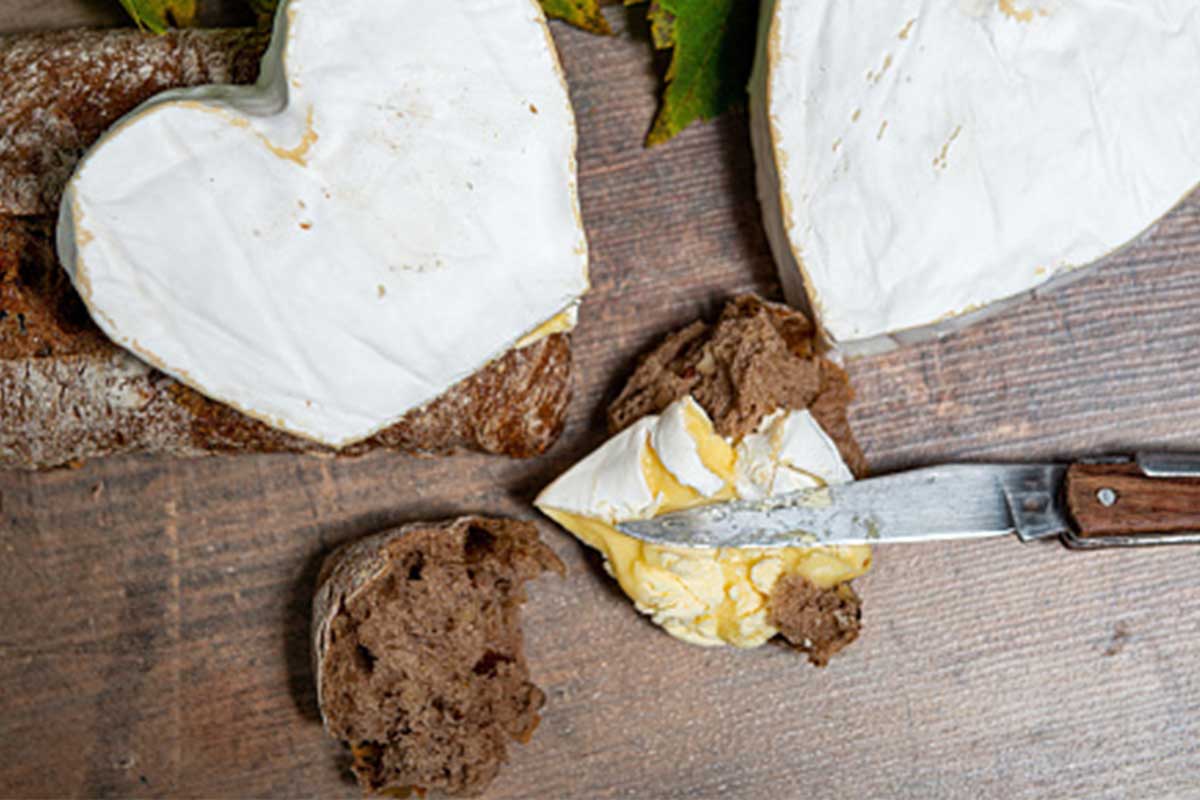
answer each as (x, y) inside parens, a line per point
(392, 206)
(919, 159)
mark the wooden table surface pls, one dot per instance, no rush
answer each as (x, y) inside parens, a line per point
(154, 613)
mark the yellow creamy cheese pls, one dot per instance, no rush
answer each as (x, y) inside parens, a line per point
(559, 323)
(705, 596)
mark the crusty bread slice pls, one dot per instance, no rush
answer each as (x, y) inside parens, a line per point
(66, 392)
(418, 652)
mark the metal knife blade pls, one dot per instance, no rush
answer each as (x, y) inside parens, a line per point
(954, 501)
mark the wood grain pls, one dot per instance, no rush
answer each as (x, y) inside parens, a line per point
(153, 639)
(1136, 504)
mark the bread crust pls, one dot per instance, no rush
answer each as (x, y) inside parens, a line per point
(66, 392)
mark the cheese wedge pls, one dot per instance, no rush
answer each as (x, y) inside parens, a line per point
(391, 207)
(920, 160)
(675, 461)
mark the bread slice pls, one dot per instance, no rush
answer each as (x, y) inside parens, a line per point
(756, 358)
(66, 392)
(759, 357)
(418, 652)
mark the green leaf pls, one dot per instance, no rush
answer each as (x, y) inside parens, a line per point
(580, 13)
(158, 15)
(713, 44)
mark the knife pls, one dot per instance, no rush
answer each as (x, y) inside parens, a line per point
(1153, 498)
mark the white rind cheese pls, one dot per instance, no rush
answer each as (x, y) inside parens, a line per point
(921, 159)
(788, 452)
(609, 483)
(391, 207)
(675, 444)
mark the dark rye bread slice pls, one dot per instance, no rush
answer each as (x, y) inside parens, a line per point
(756, 358)
(418, 652)
(66, 392)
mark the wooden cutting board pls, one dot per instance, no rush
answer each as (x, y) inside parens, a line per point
(154, 613)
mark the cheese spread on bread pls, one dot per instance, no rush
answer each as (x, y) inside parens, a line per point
(674, 461)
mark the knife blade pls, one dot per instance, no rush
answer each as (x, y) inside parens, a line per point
(1153, 499)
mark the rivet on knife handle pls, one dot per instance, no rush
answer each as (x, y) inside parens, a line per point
(1120, 504)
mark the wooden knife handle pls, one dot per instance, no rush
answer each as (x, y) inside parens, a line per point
(1110, 500)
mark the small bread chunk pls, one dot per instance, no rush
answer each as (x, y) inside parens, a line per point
(418, 652)
(819, 622)
(756, 358)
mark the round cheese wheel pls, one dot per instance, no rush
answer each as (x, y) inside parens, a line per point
(919, 160)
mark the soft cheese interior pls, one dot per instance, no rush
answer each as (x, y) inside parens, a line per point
(391, 207)
(676, 460)
(919, 160)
